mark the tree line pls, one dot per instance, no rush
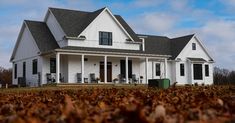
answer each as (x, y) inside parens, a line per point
(5, 76)
(221, 76)
(224, 76)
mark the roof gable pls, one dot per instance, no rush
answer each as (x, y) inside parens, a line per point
(74, 22)
(178, 44)
(25, 45)
(42, 35)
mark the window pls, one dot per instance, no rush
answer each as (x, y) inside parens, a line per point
(24, 69)
(181, 69)
(206, 70)
(105, 38)
(52, 65)
(35, 66)
(158, 69)
(15, 71)
(197, 71)
(193, 46)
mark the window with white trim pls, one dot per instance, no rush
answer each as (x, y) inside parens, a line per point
(105, 38)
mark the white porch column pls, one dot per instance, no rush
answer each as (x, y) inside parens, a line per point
(127, 80)
(57, 67)
(82, 68)
(105, 69)
(165, 67)
(146, 69)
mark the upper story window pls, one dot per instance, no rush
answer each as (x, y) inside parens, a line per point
(35, 66)
(105, 38)
(193, 46)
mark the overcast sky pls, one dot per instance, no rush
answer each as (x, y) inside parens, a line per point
(213, 21)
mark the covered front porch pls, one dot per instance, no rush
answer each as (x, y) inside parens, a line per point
(72, 67)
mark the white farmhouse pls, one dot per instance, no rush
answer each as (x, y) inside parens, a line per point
(72, 46)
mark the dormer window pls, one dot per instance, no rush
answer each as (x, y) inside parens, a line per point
(105, 38)
(193, 46)
(82, 37)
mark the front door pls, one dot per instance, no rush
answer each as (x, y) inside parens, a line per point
(109, 71)
(197, 71)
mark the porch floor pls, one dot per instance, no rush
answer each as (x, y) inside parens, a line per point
(96, 84)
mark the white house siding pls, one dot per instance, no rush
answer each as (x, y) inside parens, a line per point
(55, 29)
(173, 71)
(26, 51)
(104, 22)
(187, 52)
(152, 69)
(169, 71)
(31, 79)
(45, 68)
(186, 79)
(27, 46)
(142, 70)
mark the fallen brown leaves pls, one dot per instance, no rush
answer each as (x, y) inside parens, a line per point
(104, 104)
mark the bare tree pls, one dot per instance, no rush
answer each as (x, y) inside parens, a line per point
(223, 76)
(5, 76)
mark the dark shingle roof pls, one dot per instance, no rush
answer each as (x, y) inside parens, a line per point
(157, 45)
(127, 27)
(73, 22)
(178, 44)
(42, 35)
(164, 45)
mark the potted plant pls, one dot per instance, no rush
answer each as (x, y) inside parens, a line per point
(115, 80)
(98, 80)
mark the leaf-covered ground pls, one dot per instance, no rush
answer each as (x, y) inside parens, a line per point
(212, 104)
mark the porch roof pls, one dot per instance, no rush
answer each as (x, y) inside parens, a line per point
(197, 59)
(108, 51)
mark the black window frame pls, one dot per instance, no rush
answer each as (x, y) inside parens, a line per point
(182, 70)
(207, 70)
(105, 38)
(194, 47)
(15, 71)
(52, 65)
(157, 69)
(34, 66)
